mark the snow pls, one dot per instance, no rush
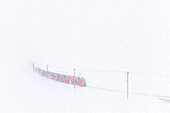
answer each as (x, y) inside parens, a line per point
(101, 39)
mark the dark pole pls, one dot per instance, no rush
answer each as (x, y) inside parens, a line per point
(47, 72)
(47, 68)
(127, 85)
(33, 67)
(74, 77)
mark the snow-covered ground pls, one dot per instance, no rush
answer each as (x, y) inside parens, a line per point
(101, 39)
(23, 91)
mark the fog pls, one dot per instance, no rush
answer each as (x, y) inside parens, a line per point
(93, 34)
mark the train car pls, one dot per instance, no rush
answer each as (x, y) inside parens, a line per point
(80, 81)
(53, 76)
(64, 78)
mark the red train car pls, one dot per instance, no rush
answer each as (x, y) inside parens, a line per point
(80, 81)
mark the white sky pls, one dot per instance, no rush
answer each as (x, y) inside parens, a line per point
(104, 34)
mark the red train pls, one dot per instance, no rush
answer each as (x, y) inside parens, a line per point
(80, 81)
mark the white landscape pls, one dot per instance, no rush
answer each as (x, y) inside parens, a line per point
(102, 39)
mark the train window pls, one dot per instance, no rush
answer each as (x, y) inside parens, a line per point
(75, 80)
(53, 75)
(63, 78)
(82, 81)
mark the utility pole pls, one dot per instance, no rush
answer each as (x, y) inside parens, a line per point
(127, 85)
(74, 77)
(33, 67)
(47, 72)
(47, 68)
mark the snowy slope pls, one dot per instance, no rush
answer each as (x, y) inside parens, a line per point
(28, 92)
(101, 39)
